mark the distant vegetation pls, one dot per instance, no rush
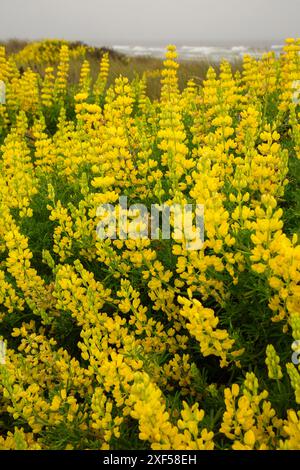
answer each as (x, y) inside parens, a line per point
(37, 55)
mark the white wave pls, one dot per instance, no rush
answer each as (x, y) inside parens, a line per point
(239, 49)
(201, 50)
(140, 49)
(121, 47)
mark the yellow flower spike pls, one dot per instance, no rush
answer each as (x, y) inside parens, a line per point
(272, 362)
(202, 324)
(249, 438)
(55, 403)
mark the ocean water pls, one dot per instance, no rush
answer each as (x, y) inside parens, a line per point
(209, 53)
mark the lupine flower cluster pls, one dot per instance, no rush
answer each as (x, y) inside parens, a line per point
(141, 343)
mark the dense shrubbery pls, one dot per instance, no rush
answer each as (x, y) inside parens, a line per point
(143, 343)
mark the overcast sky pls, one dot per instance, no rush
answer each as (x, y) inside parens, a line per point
(107, 22)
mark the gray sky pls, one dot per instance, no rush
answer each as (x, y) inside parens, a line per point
(107, 22)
